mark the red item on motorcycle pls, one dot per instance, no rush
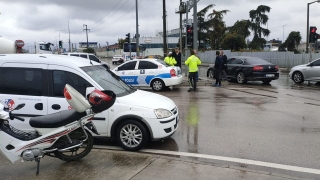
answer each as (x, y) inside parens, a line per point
(75, 99)
(101, 100)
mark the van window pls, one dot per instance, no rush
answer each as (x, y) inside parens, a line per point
(61, 78)
(94, 58)
(77, 55)
(84, 56)
(22, 81)
(108, 80)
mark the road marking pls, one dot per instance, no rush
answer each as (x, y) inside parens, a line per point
(222, 158)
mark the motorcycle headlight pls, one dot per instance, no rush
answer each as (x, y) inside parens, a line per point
(162, 113)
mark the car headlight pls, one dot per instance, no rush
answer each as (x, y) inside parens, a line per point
(162, 113)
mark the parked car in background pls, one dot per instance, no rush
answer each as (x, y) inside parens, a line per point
(89, 56)
(244, 68)
(306, 72)
(117, 59)
(149, 72)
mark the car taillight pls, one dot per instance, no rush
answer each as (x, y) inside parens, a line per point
(258, 68)
(173, 73)
(277, 68)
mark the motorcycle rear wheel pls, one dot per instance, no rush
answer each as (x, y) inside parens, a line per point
(73, 154)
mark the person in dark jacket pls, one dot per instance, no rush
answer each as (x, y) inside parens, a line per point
(224, 65)
(177, 56)
(218, 69)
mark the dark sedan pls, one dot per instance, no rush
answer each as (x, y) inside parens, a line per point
(243, 69)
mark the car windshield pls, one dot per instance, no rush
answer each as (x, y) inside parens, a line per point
(162, 62)
(108, 80)
(257, 61)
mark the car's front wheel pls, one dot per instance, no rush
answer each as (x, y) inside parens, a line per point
(241, 78)
(297, 77)
(211, 73)
(157, 85)
(132, 135)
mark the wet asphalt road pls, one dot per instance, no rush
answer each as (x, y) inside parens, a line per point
(276, 123)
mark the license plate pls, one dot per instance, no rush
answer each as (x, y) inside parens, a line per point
(269, 75)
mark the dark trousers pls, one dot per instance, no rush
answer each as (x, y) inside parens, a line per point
(218, 76)
(193, 80)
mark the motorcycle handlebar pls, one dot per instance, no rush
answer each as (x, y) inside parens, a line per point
(12, 116)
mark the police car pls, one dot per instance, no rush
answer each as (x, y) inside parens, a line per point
(149, 72)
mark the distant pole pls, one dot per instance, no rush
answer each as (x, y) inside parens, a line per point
(87, 34)
(70, 50)
(137, 31)
(195, 26)
(164, 29)
(180, 43)
(187, 22)
(283, 32)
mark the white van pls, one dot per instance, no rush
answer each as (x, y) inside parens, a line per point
(38, 81)
(89, 56)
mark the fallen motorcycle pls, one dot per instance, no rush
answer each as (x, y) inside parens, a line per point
(62, 135)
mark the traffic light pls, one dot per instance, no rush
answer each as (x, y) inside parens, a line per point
(189, 35)
(127, 38)
(313, 34)
(60, 44)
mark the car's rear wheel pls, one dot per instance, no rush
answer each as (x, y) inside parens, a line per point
(157, 85)
(132, 135)
(297, 77)
(241, 78)
(266, 81)
(211, 73)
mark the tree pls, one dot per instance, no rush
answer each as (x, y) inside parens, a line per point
(216, 28)
(233, 41)
(259, 18)
(293, 41)
(241, 28)
(89, 50)
(203, 25)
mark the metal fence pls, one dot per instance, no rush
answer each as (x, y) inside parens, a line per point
(283, 59)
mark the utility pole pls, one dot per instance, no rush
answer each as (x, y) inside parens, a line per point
(70, 50)
(187, 22)
(195, 26)
(180, 43)
(87, 34)
(137, 31)
(164, 29)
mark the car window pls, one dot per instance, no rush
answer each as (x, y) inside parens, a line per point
(316, 63)
(147, 65)
(235, 61)
(128, 66)
(61, 78)
(84, 56)
(94, 58)
(22, 81)
(77, 55)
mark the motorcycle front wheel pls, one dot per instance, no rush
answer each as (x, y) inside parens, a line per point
(76, 153)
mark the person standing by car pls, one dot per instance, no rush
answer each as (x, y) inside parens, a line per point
(192, 62)
(224, 65)
(177, 56)
(217, 69)
(170, 60)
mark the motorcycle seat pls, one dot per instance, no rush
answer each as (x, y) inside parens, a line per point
(57, 119)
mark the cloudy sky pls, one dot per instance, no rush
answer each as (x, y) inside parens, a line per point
(108, 20)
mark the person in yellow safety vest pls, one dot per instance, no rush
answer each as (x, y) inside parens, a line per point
(193, 61)
(170, 60)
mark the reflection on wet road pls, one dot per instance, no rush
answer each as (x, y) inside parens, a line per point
(276, 123)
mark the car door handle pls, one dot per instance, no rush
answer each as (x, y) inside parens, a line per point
(38, 106)
(56, 106)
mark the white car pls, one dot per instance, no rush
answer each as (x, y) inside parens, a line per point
(149, 72)
(117, 59)
(306, 72)
(88, 56)
(38, 80)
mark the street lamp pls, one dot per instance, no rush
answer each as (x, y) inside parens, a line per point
(307, 44)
